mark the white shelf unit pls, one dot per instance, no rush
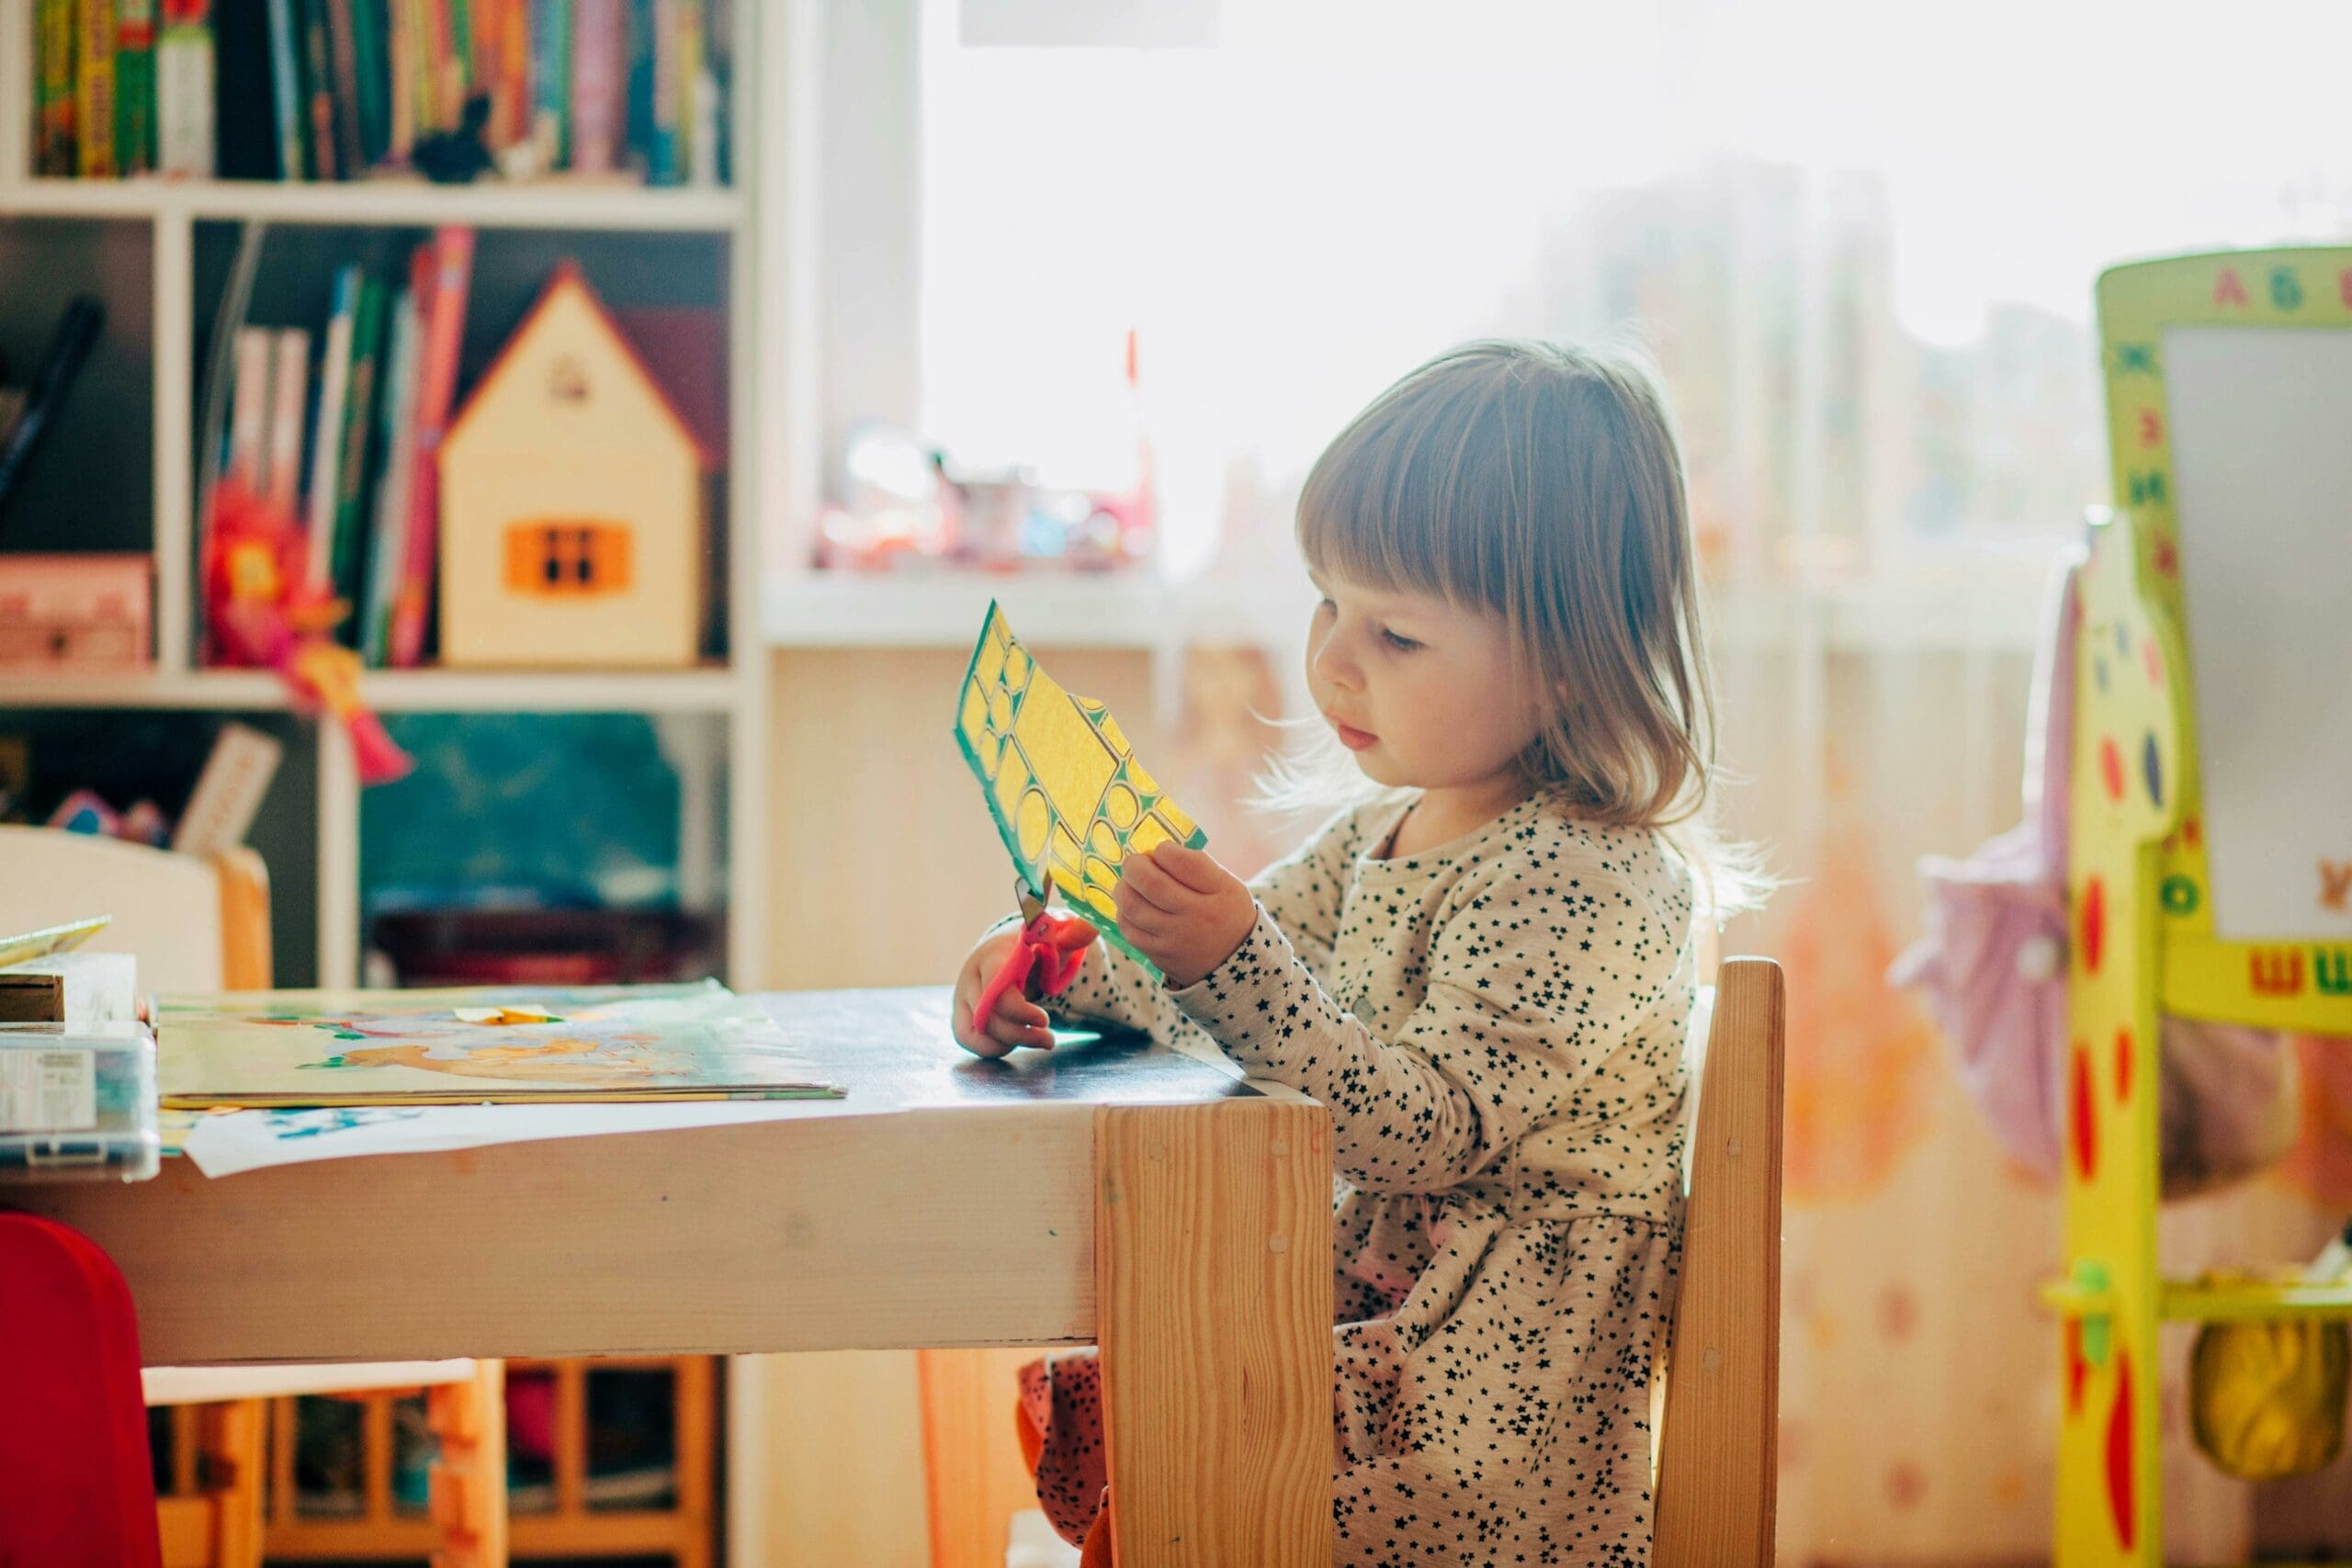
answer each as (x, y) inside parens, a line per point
(734, 693)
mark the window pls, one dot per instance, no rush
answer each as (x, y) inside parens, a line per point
(1860, 239)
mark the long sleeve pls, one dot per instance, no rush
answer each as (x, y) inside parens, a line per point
(1304, 891)
(1537, 981)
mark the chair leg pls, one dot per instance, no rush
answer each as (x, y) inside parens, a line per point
(469, 1477)
(230, 1437)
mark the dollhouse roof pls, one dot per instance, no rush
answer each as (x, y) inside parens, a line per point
(566, 279)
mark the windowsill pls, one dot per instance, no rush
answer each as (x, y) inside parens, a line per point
(1133, 609)
(1994, 610)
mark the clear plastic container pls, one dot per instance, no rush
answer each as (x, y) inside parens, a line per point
(77, 1103)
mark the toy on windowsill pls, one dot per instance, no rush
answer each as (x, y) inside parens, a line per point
(262, 612)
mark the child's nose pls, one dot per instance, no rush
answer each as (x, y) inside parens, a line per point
(1335, 665)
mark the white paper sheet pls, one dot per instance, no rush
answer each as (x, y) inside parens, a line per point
(239, 1141)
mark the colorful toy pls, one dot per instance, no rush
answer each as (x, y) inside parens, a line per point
(263, 611)
(2143, 938)
(1068, 798)
(573, 487)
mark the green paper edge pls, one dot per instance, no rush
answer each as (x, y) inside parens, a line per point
(1087, 912)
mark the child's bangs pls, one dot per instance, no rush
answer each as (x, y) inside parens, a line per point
(1396, 503)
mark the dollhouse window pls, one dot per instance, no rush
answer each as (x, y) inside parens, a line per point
(567, 560)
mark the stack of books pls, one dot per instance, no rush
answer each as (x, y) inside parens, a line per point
(348, 440)
(346, 89)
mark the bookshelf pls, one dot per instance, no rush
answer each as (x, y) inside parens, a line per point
(156, 249)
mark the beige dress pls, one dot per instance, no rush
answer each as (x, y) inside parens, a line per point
(1497, 1024)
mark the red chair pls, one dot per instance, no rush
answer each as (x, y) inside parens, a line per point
(76, 1478)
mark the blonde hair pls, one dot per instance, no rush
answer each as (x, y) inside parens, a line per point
(1543, 483)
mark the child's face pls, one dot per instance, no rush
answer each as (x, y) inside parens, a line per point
(1419, 688)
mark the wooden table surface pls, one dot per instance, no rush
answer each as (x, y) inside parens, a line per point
(1112, 1192)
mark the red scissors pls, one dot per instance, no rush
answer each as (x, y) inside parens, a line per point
(1048, 956)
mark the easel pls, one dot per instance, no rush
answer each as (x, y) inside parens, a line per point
(2141, 910)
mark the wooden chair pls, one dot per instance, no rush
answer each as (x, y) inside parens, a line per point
(1717, 1472)
(201, 925)
(1716, 1477)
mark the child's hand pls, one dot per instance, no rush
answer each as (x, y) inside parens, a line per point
(1183, 912)
(1015, 1021)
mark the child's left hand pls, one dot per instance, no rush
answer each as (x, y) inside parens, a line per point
(1183, 912)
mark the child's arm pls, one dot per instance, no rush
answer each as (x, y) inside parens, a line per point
(1303, 892)
(1516, 1020)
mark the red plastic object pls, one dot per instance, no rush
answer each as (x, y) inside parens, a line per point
(1048, 956)
(76, 1482)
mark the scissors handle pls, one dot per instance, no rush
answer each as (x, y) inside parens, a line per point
(1051, 951)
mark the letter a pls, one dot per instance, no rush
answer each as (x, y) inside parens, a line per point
(2227, 289)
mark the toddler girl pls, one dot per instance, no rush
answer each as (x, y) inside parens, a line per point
(1483, 965)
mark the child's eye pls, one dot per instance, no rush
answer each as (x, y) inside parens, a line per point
(1401, 644)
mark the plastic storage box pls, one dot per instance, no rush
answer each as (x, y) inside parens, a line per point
(77, 1103)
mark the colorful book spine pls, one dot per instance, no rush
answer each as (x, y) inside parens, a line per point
(286, 90)
(551, 81)
(402, 54)
(598, 83)
(289, 393)
(183, 90)
(317, 91)
(663, 76)
(249, 410)
(444, 104)
(387, 550)
(352, 468)
(452, 258)
(94, 88)
(372, 72)
(462, 58)
(326, 429)
(54, 151)
(511, 94)
(343, 68)
(134, 86)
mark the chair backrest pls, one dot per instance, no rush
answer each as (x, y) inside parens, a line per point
(194, 923)
(1717, 1460)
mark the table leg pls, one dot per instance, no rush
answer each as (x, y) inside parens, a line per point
(1213, 1269)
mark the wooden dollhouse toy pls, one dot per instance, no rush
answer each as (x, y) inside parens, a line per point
(572, 503)
(2211, 845)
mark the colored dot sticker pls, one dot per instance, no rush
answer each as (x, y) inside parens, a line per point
(2153, 657)
(2179, 896)
(2123, 1063)
(2152, 769)
(2082, 1119)
(2119, 1456)
(2079, 1366)
(2093, 943)
(2110, 769)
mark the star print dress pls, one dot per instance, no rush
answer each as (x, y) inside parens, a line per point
(1497, 1024)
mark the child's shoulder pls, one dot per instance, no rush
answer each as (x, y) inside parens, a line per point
(1545, 845)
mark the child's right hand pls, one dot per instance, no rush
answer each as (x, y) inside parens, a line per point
(1015, 1020)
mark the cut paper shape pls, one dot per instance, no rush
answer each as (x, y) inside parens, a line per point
(345, 1048)
(1060, 780)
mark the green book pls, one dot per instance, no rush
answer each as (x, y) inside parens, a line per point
(134, 86)
(373, 67)
(359, 424)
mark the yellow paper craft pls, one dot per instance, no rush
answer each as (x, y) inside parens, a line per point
(1060, 780)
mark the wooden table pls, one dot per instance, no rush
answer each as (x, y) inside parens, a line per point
(1112, 1192)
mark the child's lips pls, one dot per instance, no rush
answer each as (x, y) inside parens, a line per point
(1352, 738)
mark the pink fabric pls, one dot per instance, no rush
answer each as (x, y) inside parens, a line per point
(1993, 962)
(1994, 967)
